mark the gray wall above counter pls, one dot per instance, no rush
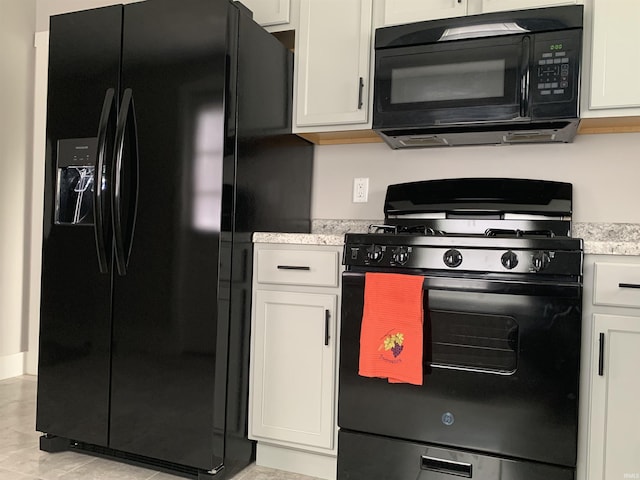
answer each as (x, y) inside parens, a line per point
(604, 170)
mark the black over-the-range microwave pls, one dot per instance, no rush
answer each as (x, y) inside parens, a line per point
(495, 78)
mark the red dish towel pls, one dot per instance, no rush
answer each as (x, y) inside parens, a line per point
(391, 333)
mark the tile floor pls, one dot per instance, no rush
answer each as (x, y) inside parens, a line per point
(21, 459)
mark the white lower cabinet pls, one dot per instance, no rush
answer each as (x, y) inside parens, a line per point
(295, 324)
(294, 387)
(613, 423)
(614, 447)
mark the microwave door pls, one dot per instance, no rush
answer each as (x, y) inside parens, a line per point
(453, 84)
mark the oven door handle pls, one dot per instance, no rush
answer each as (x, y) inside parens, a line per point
(556, 288)
(448, 467)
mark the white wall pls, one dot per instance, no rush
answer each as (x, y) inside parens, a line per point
(604, 170)
(17, 19)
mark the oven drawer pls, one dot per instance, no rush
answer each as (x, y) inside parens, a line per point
(406, 459)
(298, 267)
(617, 284)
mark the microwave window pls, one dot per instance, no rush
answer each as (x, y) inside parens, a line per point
(446, 82)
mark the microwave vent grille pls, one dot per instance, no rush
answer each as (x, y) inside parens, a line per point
(529, 137)
(427, 141)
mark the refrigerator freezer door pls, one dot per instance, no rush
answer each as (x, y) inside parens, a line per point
(75, 325)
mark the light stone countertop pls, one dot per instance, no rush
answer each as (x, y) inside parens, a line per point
(599, 238)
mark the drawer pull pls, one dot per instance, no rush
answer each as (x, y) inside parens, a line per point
(293, 267)
(629, 285)
(446, 467)
(601, 356)
(326, 328)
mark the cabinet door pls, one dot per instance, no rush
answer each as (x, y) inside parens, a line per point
(332, 63)
(614, 450)
(293, 371)
(269, 12)
(500, 5)
(408, 11)
(615, 70)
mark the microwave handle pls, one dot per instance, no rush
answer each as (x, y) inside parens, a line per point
(525, 77)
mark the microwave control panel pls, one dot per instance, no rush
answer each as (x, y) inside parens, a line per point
(555, 69)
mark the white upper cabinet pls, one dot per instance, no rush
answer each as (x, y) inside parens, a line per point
(333, 47)
(396, 12)
(615, 69)
(272, 14)
(501, 5)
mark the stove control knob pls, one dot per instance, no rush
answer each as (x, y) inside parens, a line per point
(509, 260)
(452, 258)
(400, 255)
(540, 261)
(374, 253)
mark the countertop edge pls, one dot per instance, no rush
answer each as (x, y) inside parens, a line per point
(599, 238)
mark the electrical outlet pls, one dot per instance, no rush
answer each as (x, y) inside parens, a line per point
(360, 190)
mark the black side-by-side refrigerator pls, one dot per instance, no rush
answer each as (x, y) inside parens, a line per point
(168, 144)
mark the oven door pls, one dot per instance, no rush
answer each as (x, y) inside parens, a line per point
(500, 366)
(454, 83)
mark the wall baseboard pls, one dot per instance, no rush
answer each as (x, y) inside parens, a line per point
(12, 366)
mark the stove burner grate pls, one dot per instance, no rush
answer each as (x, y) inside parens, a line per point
(405, 229)
(501, 232)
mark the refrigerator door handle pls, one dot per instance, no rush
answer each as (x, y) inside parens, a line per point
(101, 185)
(126, 125)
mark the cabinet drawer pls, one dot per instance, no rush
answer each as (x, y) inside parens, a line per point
(298, 267)
(617, 284)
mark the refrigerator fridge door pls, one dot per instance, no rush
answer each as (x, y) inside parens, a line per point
(168, 375)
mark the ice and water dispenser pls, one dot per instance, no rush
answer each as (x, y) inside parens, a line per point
(76, 181)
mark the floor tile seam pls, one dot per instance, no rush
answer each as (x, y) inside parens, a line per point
(28, 450)
(22, 474)
(91, 460)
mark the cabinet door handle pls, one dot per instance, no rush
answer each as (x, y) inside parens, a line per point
(292, 267)
(601, 356)
(326, 328)
(629, 285)
(360, 92)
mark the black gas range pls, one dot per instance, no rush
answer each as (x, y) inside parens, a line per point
(501, 326)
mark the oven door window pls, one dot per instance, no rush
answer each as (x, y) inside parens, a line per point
(482, 342)
(476, 74)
